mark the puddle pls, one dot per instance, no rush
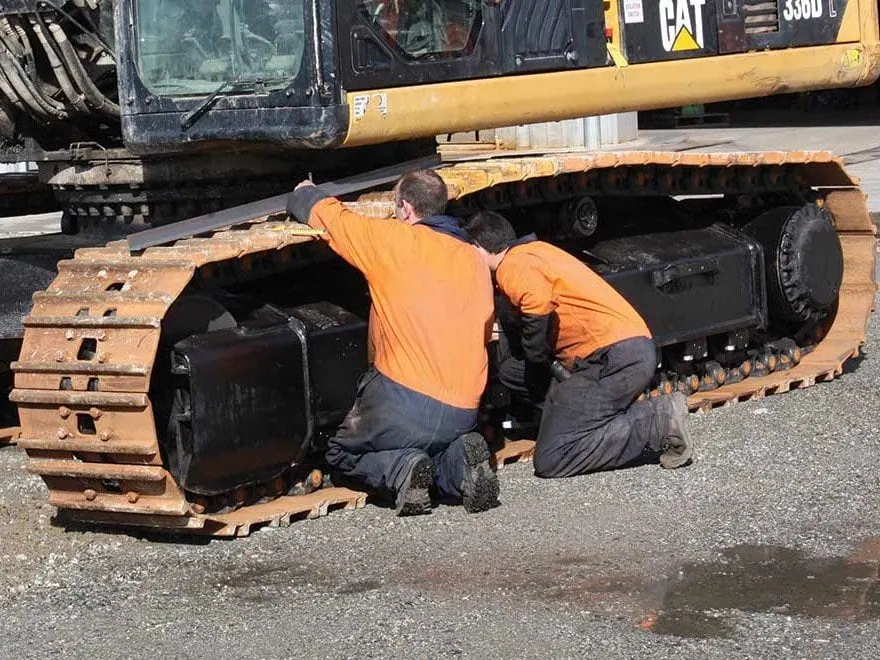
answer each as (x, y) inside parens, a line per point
(770, 579)
(699, 600)
(584, 582)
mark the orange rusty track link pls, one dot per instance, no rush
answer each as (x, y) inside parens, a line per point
(9, 435)
(83, 377)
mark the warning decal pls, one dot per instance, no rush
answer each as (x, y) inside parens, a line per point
(671, 29)
(686, 29)
(633, 11)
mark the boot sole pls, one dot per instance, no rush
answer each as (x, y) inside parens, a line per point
(480, 489)
(416, 493)
(673, 461)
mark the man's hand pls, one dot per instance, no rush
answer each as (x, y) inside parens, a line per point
(303, 184)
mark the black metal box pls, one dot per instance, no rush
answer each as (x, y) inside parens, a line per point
(248, 400)
(687, 284)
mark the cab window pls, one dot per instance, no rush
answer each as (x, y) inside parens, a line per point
(426, 29)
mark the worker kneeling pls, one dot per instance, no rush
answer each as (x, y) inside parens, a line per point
(575, 326)
(412, 424)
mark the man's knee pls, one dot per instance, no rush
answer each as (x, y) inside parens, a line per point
(547, 466)
(645, 367)
(551, 450)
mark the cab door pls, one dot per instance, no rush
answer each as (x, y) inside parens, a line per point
(388, 43)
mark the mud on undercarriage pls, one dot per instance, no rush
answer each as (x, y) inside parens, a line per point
(95, 426)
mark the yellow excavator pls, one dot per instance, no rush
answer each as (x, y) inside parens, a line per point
(182, 377)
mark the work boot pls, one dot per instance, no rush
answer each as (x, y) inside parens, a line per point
(678, 447)
(480, 488)
(414, 498)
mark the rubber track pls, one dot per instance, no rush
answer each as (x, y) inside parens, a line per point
(100, 319)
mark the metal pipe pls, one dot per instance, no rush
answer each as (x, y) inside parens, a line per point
(75, 96)
(93, 95)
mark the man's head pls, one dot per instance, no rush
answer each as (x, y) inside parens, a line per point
(419, 195)
(492, 235)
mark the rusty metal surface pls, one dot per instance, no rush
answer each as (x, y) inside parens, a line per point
(514, 451)
(10, 435)
(277, 513)
(91, 339)
(218, 219)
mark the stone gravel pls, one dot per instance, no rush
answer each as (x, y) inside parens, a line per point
(767, 547)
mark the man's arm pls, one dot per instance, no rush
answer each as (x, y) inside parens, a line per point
(303, 199)
(531, 293)
(352, 236)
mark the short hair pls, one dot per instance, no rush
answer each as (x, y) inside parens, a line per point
(490, 231)
(425, 190)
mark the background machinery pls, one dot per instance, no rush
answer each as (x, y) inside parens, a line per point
(185, 385)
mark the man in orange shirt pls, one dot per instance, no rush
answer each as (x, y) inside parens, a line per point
(575, 326)
(412, 424)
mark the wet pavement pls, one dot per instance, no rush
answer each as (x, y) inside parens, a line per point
(702, 600)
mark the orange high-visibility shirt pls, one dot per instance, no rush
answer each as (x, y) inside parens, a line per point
(432, 301)
(540, 279)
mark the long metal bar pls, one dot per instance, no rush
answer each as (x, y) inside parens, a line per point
(277, 204)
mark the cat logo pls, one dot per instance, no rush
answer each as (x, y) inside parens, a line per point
(681, 25)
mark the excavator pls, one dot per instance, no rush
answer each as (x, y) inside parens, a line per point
(186, 382)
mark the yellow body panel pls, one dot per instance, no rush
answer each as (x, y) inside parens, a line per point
(384, 115)
(850, 25)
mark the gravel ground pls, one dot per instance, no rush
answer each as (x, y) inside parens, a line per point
(767, 547)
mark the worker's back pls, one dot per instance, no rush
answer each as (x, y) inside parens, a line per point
(432, 307)
(432, 302)
(541, 279)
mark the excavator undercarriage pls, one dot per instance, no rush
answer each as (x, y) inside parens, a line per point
(191, 385)
(117, 442)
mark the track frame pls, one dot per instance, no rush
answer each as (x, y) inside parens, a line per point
(82, 381)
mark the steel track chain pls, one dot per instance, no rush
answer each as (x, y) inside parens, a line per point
(83, 377)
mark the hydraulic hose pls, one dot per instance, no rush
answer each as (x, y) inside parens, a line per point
(11, 94)
(19, 43)
(93, 95)
(76, 97)
(23, 87)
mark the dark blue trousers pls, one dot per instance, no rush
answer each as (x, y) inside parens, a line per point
(389, 427)
(592, 421)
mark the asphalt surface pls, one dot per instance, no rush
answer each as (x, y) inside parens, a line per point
(30, 225)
